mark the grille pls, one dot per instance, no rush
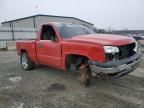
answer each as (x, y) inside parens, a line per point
(124, 52)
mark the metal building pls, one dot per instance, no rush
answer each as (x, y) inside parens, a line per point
(36, 20)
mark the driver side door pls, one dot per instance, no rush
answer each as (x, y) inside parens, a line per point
(48, 48)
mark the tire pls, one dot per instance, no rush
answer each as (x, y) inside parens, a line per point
(26, 63)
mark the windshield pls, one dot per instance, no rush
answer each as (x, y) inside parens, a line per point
(70, 30)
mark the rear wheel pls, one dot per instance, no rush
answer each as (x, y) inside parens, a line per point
(26, 63)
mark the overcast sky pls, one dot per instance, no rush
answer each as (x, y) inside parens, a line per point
(116, 14)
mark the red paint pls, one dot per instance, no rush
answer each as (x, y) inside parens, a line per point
(54, 53)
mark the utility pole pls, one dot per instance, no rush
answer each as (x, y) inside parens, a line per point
(36, 9)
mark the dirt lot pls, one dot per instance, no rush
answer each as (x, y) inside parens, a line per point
(45, 87)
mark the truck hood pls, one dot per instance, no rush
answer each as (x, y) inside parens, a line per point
(102, 39)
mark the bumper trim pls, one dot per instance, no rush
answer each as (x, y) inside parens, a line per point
(120, 67)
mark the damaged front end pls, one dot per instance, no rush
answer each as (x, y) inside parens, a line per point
(120, 61)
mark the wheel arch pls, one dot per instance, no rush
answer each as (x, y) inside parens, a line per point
(69, 57)
(22, 51)
(29, 61)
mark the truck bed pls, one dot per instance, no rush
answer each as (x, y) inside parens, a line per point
(29, 47)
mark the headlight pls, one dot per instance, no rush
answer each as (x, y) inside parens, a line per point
(136, 46)
(111, 49)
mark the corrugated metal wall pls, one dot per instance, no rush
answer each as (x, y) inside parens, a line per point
(7, 33)
(44, 19)
(11, 34)
(34, 22)
(25, 23)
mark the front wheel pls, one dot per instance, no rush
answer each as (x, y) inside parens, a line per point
(26, 63)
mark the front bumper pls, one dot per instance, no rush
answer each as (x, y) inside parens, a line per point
(118, 67)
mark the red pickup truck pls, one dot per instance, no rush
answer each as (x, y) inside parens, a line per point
(66, 45)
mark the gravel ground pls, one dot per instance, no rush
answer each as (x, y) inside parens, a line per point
(45, 87)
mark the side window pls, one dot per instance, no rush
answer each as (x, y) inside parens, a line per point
(48, 33)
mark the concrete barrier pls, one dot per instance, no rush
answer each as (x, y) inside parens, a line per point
(3, 45)
(11, 45)
(7, 45)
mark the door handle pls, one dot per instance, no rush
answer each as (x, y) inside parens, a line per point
(39, 45)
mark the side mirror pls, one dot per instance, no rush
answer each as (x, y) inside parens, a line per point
(54, 39)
